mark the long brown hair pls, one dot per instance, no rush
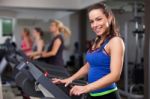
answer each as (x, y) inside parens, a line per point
(113, 29)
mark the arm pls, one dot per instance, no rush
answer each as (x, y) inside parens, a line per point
(116, 49)
(81, 73)
(40, 46)
(55, 48)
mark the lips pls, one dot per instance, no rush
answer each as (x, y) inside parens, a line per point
(97, 30)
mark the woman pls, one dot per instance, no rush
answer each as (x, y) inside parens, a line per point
(54, 54)
(38, 45)
(26, 43)
(104, 59)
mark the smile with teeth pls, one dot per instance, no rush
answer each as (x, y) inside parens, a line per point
(98, 29)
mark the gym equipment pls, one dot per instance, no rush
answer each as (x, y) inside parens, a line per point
(34, 78)
(39, 74)
(131, 82)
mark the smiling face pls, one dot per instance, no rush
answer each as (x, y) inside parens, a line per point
(98, 21)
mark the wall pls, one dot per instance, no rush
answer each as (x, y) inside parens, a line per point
(41, 18)
(70, 21)
(48, 4)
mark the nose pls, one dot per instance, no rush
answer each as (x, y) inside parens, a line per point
(94, 25)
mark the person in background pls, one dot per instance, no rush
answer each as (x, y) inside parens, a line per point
(38, 44)
(26, 43)
(54, 54)
(104, 59)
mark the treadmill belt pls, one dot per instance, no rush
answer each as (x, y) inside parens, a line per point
(57, 74)
(47, 67)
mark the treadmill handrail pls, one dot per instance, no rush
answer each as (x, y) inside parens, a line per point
(75, 82)
(47, 83)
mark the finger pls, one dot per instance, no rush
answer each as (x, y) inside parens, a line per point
(74, 90)
(71, 91)
(67, 84)
(79, 92)
(55, 80)
(75, 93)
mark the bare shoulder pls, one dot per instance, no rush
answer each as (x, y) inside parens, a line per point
(116, 42)
(41, 42)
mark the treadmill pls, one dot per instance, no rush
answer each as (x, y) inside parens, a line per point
(38, 76)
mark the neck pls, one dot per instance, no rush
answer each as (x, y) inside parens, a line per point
(56, 33)
(38, 37)
(103, 37)
(100, 40)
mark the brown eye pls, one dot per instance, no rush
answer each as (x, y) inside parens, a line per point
(98, 19)
(90, 21)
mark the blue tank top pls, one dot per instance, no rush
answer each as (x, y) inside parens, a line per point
(99, 67)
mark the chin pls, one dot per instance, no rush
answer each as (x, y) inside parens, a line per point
(98, 34)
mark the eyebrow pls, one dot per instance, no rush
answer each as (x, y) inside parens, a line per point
(96, 18)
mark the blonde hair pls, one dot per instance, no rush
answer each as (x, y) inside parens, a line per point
(62, 28)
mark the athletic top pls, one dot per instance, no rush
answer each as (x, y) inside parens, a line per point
(24, 46)
(99, 62)
(58, 58)
(35, 47)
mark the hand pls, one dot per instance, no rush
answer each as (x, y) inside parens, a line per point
(29, 53)
(78, 90)
(36, 57)
(44, 54)
(30, 56)
(62, 81)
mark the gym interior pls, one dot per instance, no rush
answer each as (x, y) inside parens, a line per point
(25, 78)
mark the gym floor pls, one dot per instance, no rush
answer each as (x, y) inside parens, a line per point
(11, 92)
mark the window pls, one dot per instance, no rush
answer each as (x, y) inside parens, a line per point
(7, 27)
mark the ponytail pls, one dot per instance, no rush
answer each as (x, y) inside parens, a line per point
(66, 31)
(62, 28)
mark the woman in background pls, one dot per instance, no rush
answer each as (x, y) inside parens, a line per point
(26, 43)
(38, 44)
(54, 55)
